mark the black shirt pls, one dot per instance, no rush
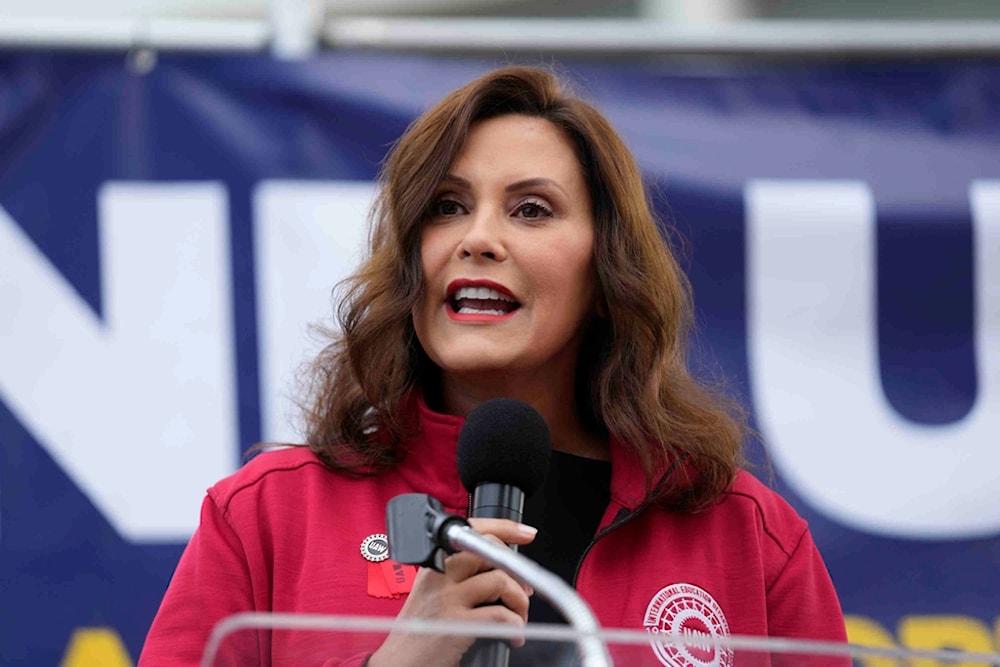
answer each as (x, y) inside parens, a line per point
(567, 511)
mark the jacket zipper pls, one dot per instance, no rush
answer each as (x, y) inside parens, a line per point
(619, 520)
(623, 517)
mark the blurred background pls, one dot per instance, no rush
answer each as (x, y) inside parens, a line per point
(674, 10)
(182, 183)
(295, 26)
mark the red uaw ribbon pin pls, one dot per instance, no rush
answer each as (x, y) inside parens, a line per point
(386, 578)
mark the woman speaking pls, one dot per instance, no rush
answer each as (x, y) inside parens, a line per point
(513, 253)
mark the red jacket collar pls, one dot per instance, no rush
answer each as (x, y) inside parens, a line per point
(431, 454)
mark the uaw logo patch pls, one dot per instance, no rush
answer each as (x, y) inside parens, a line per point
(691, 619)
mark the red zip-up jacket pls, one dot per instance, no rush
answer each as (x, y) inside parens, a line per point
(284, 534)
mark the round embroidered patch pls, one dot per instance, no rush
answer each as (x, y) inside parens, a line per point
(375, 548)
(687, 612)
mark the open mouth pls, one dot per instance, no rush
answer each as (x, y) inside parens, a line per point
(482, 301)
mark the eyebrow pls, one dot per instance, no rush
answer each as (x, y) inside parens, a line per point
(513, 187)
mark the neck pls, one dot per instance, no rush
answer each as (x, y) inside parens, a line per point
(557, 405)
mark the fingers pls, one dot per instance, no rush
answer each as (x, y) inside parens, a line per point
(469, 583)
(468, 590)
(509, 532)
(472, 600)
(461, 566)
(496, 598)
(491, 587)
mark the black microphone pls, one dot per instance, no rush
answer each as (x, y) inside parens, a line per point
(503, 457)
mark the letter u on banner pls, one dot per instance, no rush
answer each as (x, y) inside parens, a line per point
(814, 373)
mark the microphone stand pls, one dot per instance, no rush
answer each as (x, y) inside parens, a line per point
(420, 532)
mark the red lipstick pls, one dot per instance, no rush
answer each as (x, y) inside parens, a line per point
(477, 307)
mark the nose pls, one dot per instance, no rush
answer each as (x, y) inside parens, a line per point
(484, 236)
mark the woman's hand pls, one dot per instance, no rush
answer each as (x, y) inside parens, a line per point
(466, 591)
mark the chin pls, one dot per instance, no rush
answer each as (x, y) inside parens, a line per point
(474, 365)
(470, 353)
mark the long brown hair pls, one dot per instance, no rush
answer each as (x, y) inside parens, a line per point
(632, 378)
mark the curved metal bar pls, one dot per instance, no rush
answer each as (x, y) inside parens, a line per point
(593, 652)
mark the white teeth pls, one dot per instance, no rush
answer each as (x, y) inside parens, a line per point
(481, 293)
(474, 311)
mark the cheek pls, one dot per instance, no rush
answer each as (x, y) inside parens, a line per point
(434, 247)
(567, 291)
(575, 272)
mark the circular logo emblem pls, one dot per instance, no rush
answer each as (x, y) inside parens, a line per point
(375, 548)
(692, 620)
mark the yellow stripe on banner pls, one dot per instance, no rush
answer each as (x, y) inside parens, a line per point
(866, 632)
(940, 632)
(96, 647)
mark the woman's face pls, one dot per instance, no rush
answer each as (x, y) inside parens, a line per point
(507, 256)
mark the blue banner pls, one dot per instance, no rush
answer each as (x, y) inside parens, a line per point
(166, 236)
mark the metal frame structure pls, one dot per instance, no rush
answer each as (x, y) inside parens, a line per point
(296, 29)
(628, 37)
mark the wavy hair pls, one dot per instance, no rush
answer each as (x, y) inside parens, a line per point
(633, 378)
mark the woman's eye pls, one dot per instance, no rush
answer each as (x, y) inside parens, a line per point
(533, 210)
(448, 207)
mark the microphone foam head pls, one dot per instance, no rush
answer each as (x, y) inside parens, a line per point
(504, 441)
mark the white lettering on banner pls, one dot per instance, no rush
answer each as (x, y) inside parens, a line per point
(307, 236)
(139, 409)
(815, 376)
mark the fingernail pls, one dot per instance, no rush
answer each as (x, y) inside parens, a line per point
(526, 530)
